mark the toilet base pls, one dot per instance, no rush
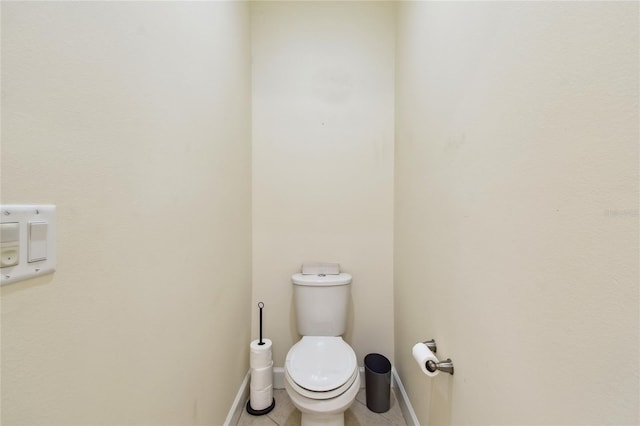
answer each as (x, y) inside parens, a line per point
(329, 412)
(315, 419)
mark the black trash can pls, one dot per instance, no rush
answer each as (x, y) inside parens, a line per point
(377, 379)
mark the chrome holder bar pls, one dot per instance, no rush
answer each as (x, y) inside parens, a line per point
(445, 366)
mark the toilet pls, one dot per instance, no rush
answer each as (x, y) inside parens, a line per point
(321, 370)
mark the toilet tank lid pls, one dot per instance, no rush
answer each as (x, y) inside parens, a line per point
(321, 280)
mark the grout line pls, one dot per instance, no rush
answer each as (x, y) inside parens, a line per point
(273, 421)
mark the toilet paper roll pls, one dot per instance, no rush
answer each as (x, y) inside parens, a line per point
(261, 399)
(262, 378)
(422, 354)
(261, 360)
(260, 356)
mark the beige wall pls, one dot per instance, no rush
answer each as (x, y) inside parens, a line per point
(516, 210)
(516, 201)
(323, 93)
(133, 119)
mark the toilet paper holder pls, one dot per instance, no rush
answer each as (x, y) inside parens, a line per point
(445, 366)
(431, 344)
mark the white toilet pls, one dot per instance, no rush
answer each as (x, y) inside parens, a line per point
(321, 370)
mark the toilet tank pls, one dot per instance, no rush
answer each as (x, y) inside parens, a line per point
(321, 303)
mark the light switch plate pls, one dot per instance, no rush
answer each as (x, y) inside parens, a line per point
(35, 248)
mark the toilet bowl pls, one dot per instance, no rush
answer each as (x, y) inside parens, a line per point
(322, 379)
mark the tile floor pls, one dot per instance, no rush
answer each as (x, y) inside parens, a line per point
(285, 414)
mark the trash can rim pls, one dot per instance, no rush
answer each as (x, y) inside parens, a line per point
(377, 363)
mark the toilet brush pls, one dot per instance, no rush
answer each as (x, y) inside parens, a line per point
(269, 388)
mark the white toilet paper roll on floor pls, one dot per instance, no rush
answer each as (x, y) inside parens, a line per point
(261, 399)
(422, 354)
(260, 356)
(261, 378)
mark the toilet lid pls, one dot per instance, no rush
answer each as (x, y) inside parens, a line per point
(321, 363)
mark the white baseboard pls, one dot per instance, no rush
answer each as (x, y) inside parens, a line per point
(238, 404)
(278, 377)
(361, 370)
(278, 383)
(403, 400)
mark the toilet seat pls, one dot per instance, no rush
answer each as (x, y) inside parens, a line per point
(321, 366)
(320, 395)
